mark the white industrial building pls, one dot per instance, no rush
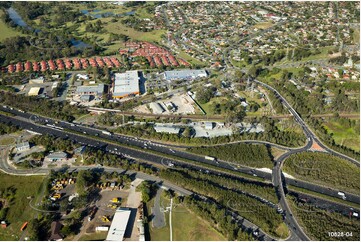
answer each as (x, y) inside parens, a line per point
(126, 84)
(119, 224)
(184, 74)
(157, 108)
(161, 128)
(208, 125)
(23, 146)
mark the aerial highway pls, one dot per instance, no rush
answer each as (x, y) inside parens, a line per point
(89, 136)
(9, 169)
(59, 128)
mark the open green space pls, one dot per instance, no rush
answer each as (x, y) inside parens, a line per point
(152, 36)
(324, 54)
(5, 30)
(189, 58)
(263, 25)
(207, 107)
(356, 36)
(19, 210)
(346, 136)
(186, 225)
(243, 154)
(319, 223)
(324, 169)
(282, 231)
(6, 140)
(99, 236)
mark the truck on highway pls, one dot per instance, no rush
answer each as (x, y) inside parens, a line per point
(210, 158)
(342, 195)
(106, 133)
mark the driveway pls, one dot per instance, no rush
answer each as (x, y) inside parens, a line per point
(159, 218)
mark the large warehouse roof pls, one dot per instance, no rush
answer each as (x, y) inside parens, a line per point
(184, 74)
(99, 89)
(161, 128)
(119, 224)
(126, 83)
(34, 91)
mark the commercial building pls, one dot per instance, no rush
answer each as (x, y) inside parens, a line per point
(161, 128)
(39, 80)
(184, 74)
(23, 146)
(90, 90)
(119, 224)
(34, 91)
(57, 156)
(126, 84)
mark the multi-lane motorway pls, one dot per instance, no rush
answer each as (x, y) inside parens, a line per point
(59, 128)
(88, 135)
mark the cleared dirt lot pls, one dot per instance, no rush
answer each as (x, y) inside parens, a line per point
(184, 105)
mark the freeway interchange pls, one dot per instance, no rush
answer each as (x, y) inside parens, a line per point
(278, 180)
(154, 152)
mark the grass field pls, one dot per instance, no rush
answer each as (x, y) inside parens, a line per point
(118, 28)
(94, 237)
(189, 58)
(324, 169)
(186, 225)
(7, 140)
(282, 231)
(263, 25)
(6, 32)
(347, 137)
(19, 209)
(322, 55)
(207, 107)
(356, 36)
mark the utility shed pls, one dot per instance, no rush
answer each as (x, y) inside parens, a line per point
(119, 224)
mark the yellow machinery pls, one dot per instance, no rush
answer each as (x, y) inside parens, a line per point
(105, 219)
(115, 200)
